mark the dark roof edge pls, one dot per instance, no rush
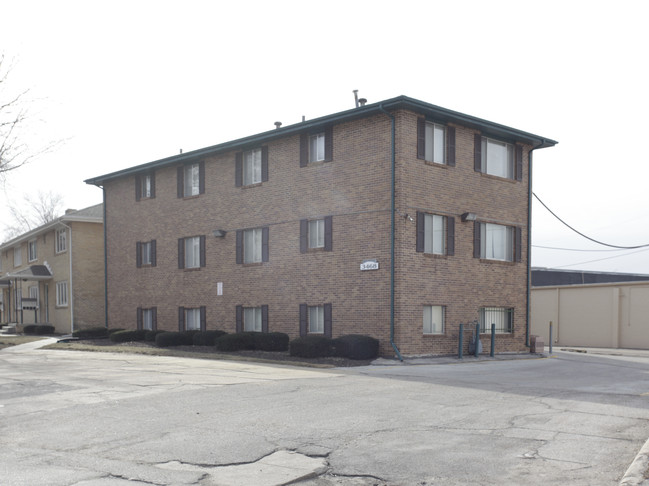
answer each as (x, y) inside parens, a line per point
(400, 102)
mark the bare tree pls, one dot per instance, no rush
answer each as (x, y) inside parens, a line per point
(33, 212)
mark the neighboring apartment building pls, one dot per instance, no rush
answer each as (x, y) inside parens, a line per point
(54, 274)
(397, 219)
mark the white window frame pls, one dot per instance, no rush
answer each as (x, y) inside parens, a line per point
(252, 245)
(145, 253)
(316, 233)
(62, 294)
(317, 147)
(191, 180)
(316, 319)
(32, 250)
(497, 158)
(252, 167)
(145, 189)
(193, 319)
(434, 234)
(434, 319)
(435, 143)
(147, 319)
(193, 252)
(503, 317)
(252, 319)
(18, 256)
(497, 242)
(61, 240)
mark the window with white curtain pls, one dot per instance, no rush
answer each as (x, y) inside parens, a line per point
(435, 149)
(193, 252)
(317, 233)
(32, 250)
(502, 317)
(317, 147)
(434, 234)
(192, 319)
(191, 180)
(433, 319)
(147, 319)
(497, 242)
(252, 240)
(252, 319)
(316, 319)
(252, 167)
(497, 158)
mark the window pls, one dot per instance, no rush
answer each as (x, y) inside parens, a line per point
(18, 256)
(252, 245)
(191, 180)
(145, 253)
(192, 318)
(315, 319)
(61, 242)
(144, 186)
(147, 319)
(497, 242)
(191, 252)
(498, 158)
(33, 292)
(62, 294)
(252, 319)
(502, 317)
(251, 167)
(435, 234)
(316, 234)
(433, 319)
(32, 254)
(316, 147)
(435, 142)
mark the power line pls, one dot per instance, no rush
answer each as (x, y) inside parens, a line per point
(588, 237)
(601, 259)
(570, 249)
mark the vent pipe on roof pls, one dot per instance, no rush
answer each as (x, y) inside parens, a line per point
(362, 101)
(278, 124)
(356, 97)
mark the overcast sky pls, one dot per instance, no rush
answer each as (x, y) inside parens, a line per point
(127, 82)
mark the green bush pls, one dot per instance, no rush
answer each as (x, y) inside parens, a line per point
(206, 338)
(356, 346)
(311, 347)
(149, 336)
(117, 329)
(166, 339)
(38, 329)
(236, 342)
(91, 332)
(128, 336)
(271, 341)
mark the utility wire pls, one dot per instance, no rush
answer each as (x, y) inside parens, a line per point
(601, 259)
(588, 237)
(571, 249)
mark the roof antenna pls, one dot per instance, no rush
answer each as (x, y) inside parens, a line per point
(356, 97)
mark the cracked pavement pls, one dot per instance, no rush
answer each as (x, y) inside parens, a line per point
(95, 419)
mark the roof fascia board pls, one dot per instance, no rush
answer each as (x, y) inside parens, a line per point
(46, 228)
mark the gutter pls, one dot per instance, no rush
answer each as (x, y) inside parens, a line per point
(103, 190)
(392, 210)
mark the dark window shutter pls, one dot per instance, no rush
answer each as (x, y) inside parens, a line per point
(239, 247)
(518, 244)
(519, 162)
(477, 152)
(304, 235)
(327, 320)
(450, 146)
(421, 138)
(419, 246)
(329, 144)
(153, 253)
(180, 181)
(476, 239)
(201, 177)
(238, 169)
(304, 320)
(304, 149)
(264, 244)
(264, 318)
(139, 318)
(138, 188)
(181, 252)
(239, 319)
(203, 312)
(138, 254)
(450, 235)
(264, 163)
(328, 239)
(154, 318)
(181, 319)
(152, 184)
(202, 251)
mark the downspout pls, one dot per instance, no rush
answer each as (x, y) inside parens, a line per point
(529, 243)
(71, 297)
(392, 210)
(103, 190)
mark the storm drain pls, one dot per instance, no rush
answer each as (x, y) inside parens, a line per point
(276, 469)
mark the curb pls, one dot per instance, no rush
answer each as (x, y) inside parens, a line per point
(636, 474)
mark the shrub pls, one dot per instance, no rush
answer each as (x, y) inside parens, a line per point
(272, 341)
(38, 329)
(311, 347)
(206, 338)
(356, 346)
(236, 342)
(128, 336)
(91, 332)
(117, 329)
(150, 335)
(165, 339)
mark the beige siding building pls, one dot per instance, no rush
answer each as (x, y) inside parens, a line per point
(397, 219)
(54, 274)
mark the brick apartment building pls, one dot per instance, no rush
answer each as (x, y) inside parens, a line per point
(397, 219)
(54, 274)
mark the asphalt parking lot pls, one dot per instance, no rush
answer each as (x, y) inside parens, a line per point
(95, 419)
